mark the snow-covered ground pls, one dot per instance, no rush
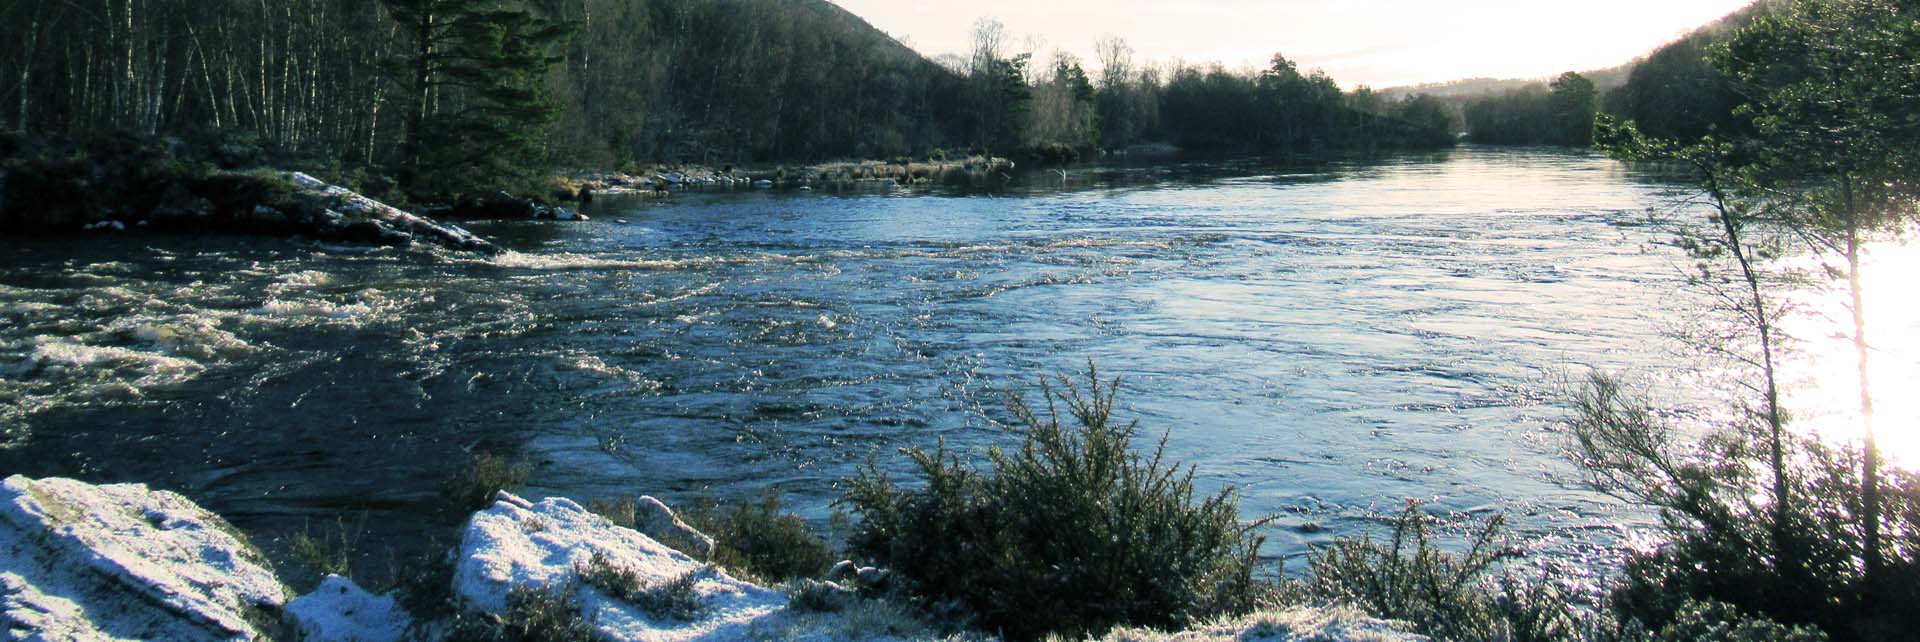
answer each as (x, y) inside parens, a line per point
(121, 562)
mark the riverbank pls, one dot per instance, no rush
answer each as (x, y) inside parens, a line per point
(660, 180)
(127, 184)
(122, 561)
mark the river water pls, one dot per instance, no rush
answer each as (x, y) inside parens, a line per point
(1331, 339)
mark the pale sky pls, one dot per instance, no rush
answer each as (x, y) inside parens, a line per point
(1382, 43)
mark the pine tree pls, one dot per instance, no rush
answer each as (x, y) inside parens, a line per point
(479, 110)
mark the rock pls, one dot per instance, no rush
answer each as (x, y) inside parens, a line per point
(179, 202)
(842, 571)
(542, 546)
(870, 576)
(121, 562)
(399, 227)
(341, 611)
(652, 518)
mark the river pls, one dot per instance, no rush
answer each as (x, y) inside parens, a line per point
(1331, 339)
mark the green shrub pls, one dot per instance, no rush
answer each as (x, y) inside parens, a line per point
(1796, 562)
(1443, 595)
(1717, 622)
(485, 476)
(619, 510)
(1071, 534)
(755, 538)
(331, 552)
(533, 615)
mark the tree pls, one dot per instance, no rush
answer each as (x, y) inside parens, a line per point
(1574, 102)
(1833, 87)
(479, 107)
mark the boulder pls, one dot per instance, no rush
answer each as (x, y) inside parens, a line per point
(517, 544)
(652, 518)
(391, 225)
(121, 562)
(341, 611)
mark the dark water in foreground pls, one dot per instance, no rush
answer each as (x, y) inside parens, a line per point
(1331, 340)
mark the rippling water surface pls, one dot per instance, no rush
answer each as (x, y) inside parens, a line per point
(1331, 339)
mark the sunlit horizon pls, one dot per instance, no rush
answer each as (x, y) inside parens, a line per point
(1379, 43)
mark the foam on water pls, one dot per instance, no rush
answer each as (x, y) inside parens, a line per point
(1332, 346)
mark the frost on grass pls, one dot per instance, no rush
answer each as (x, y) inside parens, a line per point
(546, 546)
(1291, 625)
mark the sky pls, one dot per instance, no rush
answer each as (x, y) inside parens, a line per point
(1380, 43)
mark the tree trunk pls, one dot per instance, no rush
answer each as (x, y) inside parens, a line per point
(1870, 462)
(26, 70)
(422, 85)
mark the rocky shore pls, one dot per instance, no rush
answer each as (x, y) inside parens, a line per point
(123, 562)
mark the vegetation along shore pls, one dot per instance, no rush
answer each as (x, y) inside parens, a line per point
(1791, 127)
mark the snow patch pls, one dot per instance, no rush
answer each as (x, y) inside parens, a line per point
(519, 544)
(342, 611)
(1290, 625)
(121, 562)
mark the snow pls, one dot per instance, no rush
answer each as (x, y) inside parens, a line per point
(1290, 625)
(341, 611)
(516, 543)
(349, 202)
(80, 562)
(121, 562)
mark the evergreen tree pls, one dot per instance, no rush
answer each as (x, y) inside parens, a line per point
(1574, 102)
(479, 109)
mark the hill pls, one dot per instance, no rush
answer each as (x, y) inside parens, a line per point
(636, 80)
(1671, 90)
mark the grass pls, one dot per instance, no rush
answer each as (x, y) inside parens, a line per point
(674, 599)
(533, 615)
(331, 552)
(819, 611)
(485, 476)
(1074, 525)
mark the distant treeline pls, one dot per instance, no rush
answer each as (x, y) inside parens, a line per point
(474, 94)
(1674, 93)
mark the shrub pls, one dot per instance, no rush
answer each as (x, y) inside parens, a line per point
(675, 599)
(1798, 561)
(331, 552)
(1443, 595)
(1717, 622)
(532, 615)
(486, 475)
(755, 538)
(1074, 525)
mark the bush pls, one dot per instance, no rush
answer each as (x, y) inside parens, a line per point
(1074, 526)
(1796, 562)
(1443, 595)
(757, 539)
(331, 552)
(672, 600)
(486, 475)
(532, 615)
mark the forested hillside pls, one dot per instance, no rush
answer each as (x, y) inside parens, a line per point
(1672, 92)
(470, 96)
(698, 79)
